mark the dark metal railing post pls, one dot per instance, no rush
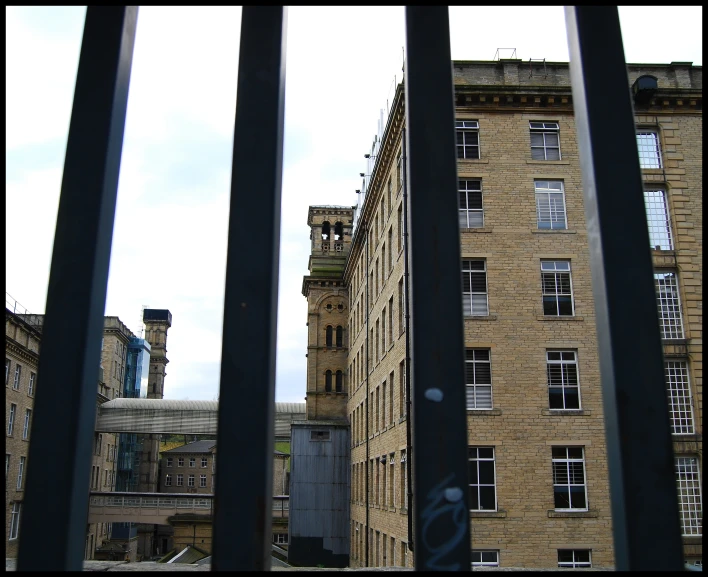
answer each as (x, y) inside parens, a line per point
(59, 463)
(243, 509)
(645, 516)
(442, 528)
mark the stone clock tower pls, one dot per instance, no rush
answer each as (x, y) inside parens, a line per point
(327, 312)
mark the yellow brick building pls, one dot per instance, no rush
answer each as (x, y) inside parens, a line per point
(23, 336)
(539, 488)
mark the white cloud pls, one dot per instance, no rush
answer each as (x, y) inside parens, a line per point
(169, 248)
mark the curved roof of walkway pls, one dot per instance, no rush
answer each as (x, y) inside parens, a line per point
(166, 416)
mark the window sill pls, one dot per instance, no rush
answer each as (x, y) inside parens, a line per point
(552, 231)
(692, 539)
(559, 318)
(686, 437)
(474, 160)
(480, 317)
(403, 418)
(484, 412)
(566, 412)
(488, 514)
(480, 229)
(403, 511)
(592, 514)
(547, 162)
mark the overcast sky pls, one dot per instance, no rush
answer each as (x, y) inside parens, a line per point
(169, 241)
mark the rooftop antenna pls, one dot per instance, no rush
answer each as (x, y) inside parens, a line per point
(141, 324)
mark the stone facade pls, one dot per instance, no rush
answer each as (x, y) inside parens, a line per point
(512, 337)
(23, 334)
(177, 465)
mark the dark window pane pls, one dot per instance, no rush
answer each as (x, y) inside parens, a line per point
(489, 556)
(473, 265)
(572, 399)
(561, 499)
(487, 498)
(479, 282)
(553, 356)
(575, 452)
(474, 498)
(469, 374)
(555, 398)
(481, 354)
(549, 283)
(486, 472)
(486, 453)
(555, 374)
(483, 374)
(549, 306)
(558, 452)
(565, 556)
(553, 154)
(560, 474)
(577, 498)
(475, 199)
(473, 476)
(582, 556)
(570, 375)
(536, 139)
(565, 306)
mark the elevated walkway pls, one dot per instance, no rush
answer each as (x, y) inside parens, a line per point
(163, 416)
(157, 508)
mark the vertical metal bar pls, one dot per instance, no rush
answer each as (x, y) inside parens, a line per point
(442, 528)
(59, 464)
(243, 510)
(645, 514)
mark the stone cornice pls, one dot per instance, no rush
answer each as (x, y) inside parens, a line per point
(12, 346)
(391, 136)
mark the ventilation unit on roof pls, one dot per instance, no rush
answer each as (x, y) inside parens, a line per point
(643, 89)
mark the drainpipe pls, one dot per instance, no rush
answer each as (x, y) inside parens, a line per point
(366, 402)
(407, 369)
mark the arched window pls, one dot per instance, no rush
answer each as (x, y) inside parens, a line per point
(328, 338)
(328, 382)
(325, 230)
(339, 382)
(339, 336)
(338, 231)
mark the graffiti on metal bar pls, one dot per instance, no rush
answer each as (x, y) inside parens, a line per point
(444, 499)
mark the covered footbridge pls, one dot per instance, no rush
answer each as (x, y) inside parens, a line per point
(163, 416)
(159, 508)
